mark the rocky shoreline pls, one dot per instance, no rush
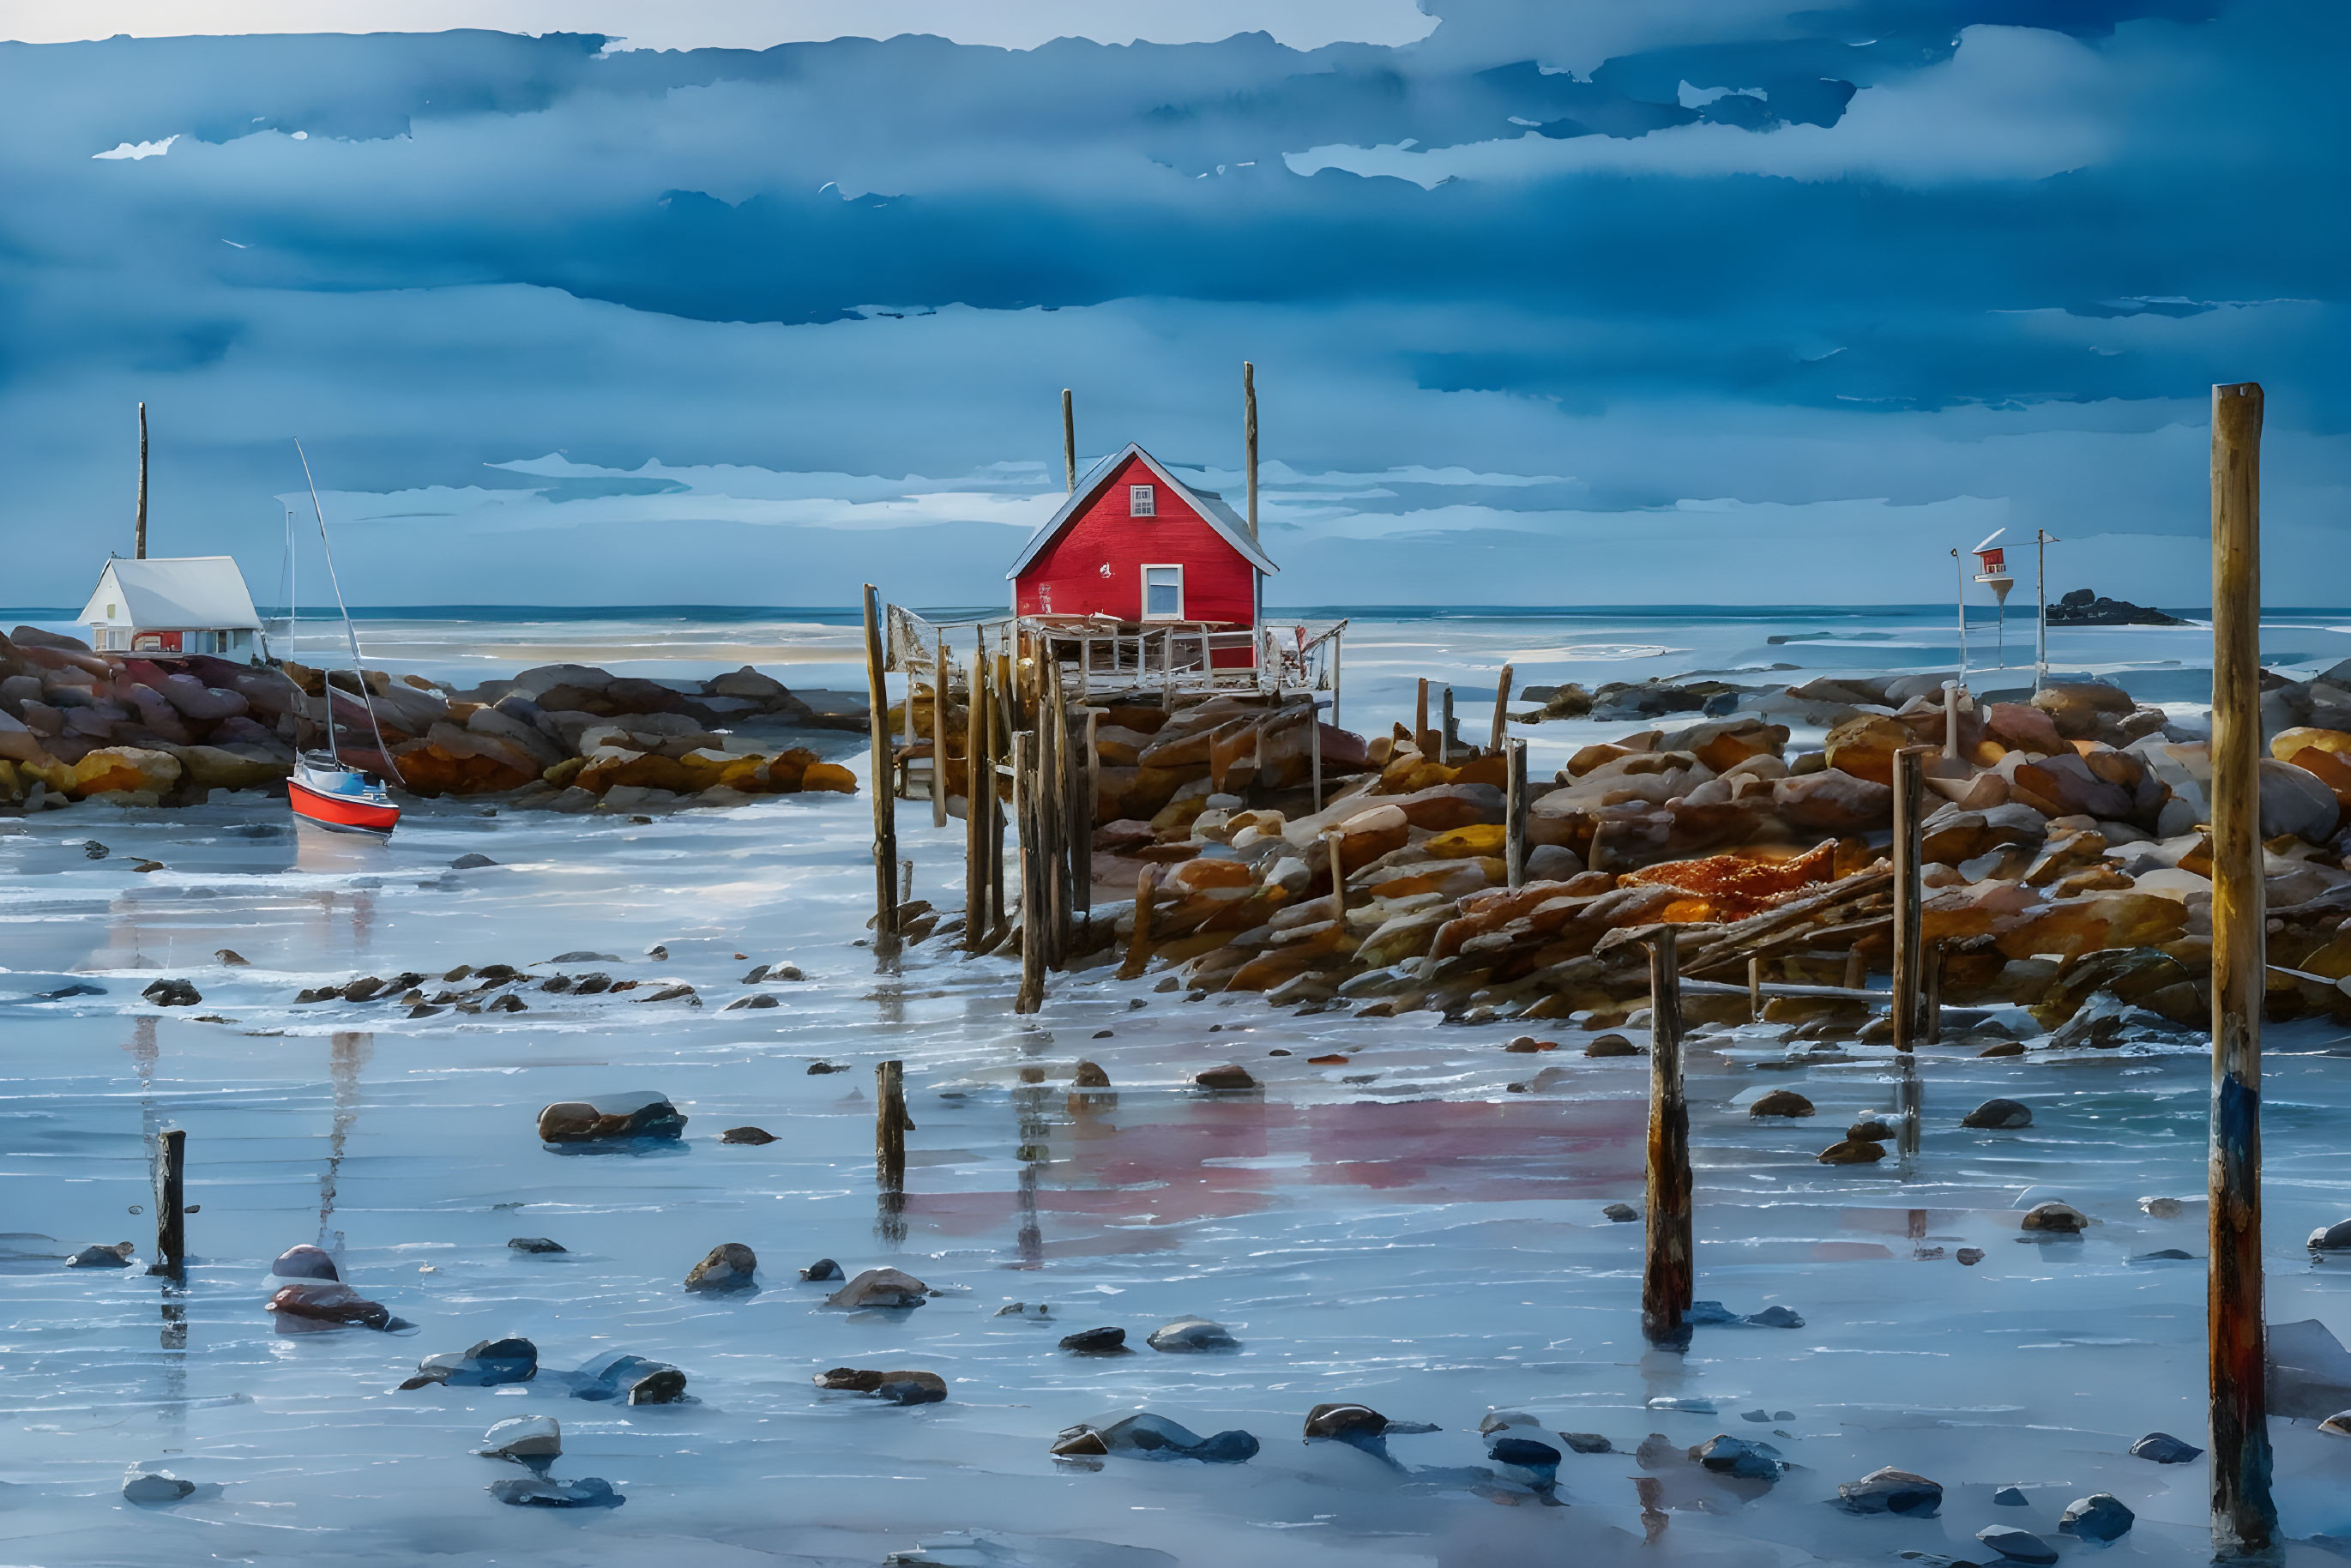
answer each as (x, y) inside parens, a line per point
(2068, 862)
(76, 725)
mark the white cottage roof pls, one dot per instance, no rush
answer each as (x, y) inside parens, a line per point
(1211, 506)
(183, 593)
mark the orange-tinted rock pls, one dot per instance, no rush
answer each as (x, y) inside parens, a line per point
(2019, 726)
(1197, 876)
(1864, 747)
(1478, 839)
(1832, 800)
(125, 768)
(2328, 768)
(1735, 886)
(2063, 786)
(2075, 707)
(829, 776)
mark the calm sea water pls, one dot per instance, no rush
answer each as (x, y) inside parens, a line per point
(1400, 1230)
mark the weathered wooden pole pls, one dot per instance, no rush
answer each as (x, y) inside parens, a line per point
(1138, 943)
(885, 795)
(1447, 734)
(939, 737)
(1420, 721)
(1334, 837)
(138, 533)
(1337, 640)
(1033, 875)
(2244, 1519)
(891, 1123)
(1514, 814)
(1081, 815)
(1501, 708)
(1070, 439)
(1856, 977)
(1755, 990)
(1248, 437)
(1909, 791)
(171, 1204)
(1314, 749)
(979, 787)
(1668, 1274)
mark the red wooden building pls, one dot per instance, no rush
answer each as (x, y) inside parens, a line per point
(1137, 546)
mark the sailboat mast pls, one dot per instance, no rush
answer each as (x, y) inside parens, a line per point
(358, 669)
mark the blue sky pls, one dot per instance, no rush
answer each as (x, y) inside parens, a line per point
(1552, 301)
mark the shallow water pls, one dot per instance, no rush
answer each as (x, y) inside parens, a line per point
(1425, 1241)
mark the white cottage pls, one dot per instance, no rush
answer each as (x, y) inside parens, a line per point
(190, 604)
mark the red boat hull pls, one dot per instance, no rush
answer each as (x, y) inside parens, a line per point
(340, 813)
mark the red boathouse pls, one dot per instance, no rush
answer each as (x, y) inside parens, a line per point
(1137, 546)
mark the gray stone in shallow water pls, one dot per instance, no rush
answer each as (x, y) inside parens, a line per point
(1891, 1491)
(1146, 1435)
(1193, 1335)
(1775, 1317)
(534, 1244)
(588, 1491)
(115, 1257)
(1999, 1116)
(1097, 1342)
(2335, 1238)
(729, 1266)
(2012, 1497)
(1622, 1213)
(881, 1288)
(756, 1000)
(2164, 1450)
(524, 1438)
(1535, 1462)
(1741, 1456)
(484, 1364)
(151, 1486)
(608, 1118)
(822, 1269)
(630, 1380)
(1587, 1442)
(2055, 1218)
(2101, 1516)
(2016, 1545)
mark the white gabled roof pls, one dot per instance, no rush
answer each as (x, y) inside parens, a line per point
(186, 594)
(1211, 506)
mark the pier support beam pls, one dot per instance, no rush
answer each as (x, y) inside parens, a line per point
(886, 793)
(1034, 875)
(2244, 1519)
(1668, 1272)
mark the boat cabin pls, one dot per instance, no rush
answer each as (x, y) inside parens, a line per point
(1134, 545)
(187, 604)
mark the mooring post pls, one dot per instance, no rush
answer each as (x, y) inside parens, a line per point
(1070, 439)
(1033, 876)
(1514, 812)
(170, 1204)
(1909, 790)
(1420, 721)
(2244, 1519)
(1089, 791)
(138, 528)
(891, 1123)
(1447, 738)
(1334, 837)
(1667, 1272)
(939, 737)
(979, 788)
(1138, 943)
(885, 795)
(1755, 990)
(1501, 707)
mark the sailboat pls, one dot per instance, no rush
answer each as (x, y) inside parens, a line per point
(326, 791)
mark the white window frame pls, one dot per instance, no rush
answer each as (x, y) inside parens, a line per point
(1148, 495)
(1147, 569)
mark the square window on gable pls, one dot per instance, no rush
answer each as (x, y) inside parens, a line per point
(1141, 501)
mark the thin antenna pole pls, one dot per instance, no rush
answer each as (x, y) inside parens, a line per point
(359, 668)
(2041, 541)
(1959, 569)
(1070, 439)
(139, 539)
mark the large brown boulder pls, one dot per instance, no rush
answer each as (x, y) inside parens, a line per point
(643, 1114)
(128, 768)
(1864, 747)
(220, 768)
(1832, 800)
(2019, 726)
(2076, 706)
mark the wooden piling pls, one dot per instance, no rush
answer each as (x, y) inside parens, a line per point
(1446, 737)
(1501, 708)
(1855, 976)
(1314, 749)
(1909, 791)
(1334, 837)
(885, 798)
(1420, 721)
(1668, 1274)
(1070, 439)
(979, 791)
(1514, 810)
(171, 1204)
(891, 1123)
(2244, 1519)
(939, 737)
(1081, 814)
(1138, 943)
(1755, 990)
(1033, 875)
(138, 528)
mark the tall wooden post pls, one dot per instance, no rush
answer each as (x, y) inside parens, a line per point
(138, 534)
(2244, 1519)
(1337, 640)
(1334, 837)
(1248, 437)
(1755, 990)
(1909, 791)
(1081, 814)
(170, 1204)
(1070, 439)
(1501, 708)
(891, 1123)
(885, 795)
(1445, 737)
(1420, 721)
(979, 789)
(1668, 1273)
(1514, 814)
(1314, 749)
(1034, 876)
(939, 737)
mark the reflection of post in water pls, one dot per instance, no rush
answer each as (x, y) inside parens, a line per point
(1030, 1103)
(347, 1058)
(1913, 1099)
(891, 1126)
